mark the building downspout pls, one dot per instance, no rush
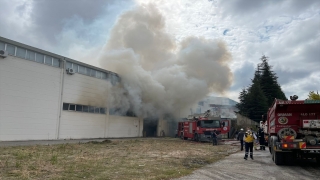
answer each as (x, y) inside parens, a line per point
(61, 97)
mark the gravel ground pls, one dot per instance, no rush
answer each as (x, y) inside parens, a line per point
(262, 167)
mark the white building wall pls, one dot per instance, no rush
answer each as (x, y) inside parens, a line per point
(77, 125)
(85, 90)
(31, 95)
(123, 126)
(29, 100)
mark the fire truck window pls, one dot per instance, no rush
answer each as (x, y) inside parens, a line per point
(199, 123)
(210, 124)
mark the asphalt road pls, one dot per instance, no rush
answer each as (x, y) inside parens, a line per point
(262, 167)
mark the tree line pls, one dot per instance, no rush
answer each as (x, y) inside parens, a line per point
(259, 96)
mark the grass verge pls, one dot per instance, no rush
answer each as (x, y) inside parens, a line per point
(157, 158)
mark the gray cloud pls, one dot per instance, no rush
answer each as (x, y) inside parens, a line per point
(60, 25)
(250, 7)
(49, 17)
(243, 76)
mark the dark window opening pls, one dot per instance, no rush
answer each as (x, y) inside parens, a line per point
(91, 109)
(79, 108)
(65, 106)
(131, 114)
(102, 110)
(85, 109)
(72, 107)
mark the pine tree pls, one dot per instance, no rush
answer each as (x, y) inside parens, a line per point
(242, 105)
(269, 83)
(256, 101)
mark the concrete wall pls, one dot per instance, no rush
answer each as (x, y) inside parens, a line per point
(29, 99)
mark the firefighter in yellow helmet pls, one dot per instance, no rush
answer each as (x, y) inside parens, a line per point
(249, 138)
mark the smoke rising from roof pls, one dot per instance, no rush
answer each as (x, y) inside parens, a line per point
(158, 74)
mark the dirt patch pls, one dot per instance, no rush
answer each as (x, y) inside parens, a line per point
(161, 158)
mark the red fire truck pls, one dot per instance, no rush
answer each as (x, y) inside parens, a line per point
(199, 127)
(293, 130)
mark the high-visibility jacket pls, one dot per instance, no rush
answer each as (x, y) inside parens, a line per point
(248, 137)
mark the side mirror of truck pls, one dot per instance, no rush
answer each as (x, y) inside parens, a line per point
(223, 124)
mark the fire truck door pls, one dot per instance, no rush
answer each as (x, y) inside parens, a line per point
(226, 128)
(190, 127)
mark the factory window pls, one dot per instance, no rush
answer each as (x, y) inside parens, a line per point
(39, 58)
(21, 53)
(114, 78)
(2, 45)
(75, 67)
(102, 110)
(68, 65)
(31, 55)
(10, 49)
(85, 109)
(55, 62)
(65, 106)
(72, 107)
(131, 114)
(93, 73)
(104, 75)
(98, 75)
(91, 109)
(117, 111)
(48, 60)
(79, 108)
(82, 70)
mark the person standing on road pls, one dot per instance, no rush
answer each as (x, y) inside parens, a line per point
(214, 138)
(249, 138)
(261, 139)
(240, 138)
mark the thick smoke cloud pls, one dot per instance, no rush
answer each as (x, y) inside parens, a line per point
(159, 75)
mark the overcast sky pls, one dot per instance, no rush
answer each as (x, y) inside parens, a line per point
(288, 32)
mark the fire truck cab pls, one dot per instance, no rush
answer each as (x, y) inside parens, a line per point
(200, 127)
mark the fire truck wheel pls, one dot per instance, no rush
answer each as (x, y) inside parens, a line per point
(278, 158)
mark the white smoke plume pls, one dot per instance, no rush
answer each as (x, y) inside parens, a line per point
(159, 75)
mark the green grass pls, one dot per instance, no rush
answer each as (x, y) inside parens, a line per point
(162, 158)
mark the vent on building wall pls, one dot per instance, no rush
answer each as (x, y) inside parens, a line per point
(70, 71)
(3, 53)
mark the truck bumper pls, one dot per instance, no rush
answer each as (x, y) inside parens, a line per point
(292, 146)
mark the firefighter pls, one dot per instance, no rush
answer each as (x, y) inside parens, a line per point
(214, 138)
(249, 138)
(240, 138)
(261, 139)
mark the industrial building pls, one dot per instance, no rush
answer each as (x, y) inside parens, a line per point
(45, 96)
